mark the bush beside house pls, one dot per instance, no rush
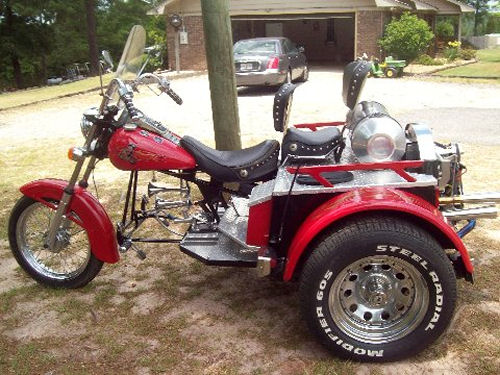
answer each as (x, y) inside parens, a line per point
(406, 37)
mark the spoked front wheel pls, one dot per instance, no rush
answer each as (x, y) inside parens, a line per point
(378, 289)
(70, 264)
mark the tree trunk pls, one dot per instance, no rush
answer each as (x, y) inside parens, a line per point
(476, 16)
(14, 58)
(220, 63)
(16, 66)
(92, 37)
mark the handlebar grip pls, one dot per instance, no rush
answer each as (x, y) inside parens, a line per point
(176, 98)
(129, 105)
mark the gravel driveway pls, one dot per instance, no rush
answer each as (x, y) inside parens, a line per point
(455, 111)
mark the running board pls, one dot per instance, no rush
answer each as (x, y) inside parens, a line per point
(217, 249)
(226, 244)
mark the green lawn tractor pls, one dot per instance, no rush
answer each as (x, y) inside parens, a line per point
(390, 68)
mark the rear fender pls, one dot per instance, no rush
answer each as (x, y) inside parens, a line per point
(371, 200)
(84, 210)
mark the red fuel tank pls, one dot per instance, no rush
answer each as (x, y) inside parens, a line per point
(143, 150)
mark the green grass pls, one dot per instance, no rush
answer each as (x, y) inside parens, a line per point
(488, 66)
(34, 95)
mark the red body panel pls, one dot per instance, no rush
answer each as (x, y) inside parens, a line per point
(145, 151)
(363, 200)
(259, 223)
(90, 215)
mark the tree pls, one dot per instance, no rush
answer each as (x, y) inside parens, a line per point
(92, 37)
(493, 24)
(406, 37)
(26, 35)
(445, 29)
(481, 10)
(43, 38)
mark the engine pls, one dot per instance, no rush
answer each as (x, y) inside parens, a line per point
(375, 137)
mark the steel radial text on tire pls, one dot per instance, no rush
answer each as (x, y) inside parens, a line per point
(377, 289)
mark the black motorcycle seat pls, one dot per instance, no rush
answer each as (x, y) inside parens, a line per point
(256, 163)
(319, 137)
(310, 143)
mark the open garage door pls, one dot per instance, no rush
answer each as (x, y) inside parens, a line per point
(327, 38)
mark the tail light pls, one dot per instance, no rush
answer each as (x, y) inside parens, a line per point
(273, 63)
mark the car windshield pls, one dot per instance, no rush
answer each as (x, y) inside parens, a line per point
(133, 54)
(256, 46)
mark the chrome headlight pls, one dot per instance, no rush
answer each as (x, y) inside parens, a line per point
(88, 118)
(376, 139)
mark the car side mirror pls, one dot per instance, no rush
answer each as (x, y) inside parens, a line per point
(301, 49)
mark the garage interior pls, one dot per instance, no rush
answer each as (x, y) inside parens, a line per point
(328, 39)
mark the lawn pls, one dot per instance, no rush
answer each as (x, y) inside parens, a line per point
(488, 66)
(34, 95)
(169, 314)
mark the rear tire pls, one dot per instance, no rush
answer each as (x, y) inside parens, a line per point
(377, 289)
(71, 266)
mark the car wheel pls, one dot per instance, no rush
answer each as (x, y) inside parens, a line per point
(377, 289)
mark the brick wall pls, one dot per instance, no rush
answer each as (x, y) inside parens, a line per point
(370, 30)
(192, 55)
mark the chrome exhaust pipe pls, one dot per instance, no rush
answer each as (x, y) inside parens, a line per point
(471, 198)
(486, 212)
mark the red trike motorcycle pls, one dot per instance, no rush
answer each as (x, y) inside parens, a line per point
(364, 213)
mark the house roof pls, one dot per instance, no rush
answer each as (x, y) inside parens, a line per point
(423, 6)
(391, 4)
(264, 7)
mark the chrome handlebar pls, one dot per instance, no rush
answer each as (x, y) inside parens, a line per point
(126, 94)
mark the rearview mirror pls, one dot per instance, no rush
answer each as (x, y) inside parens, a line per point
(107, 57)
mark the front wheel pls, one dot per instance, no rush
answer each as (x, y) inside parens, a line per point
(70, 264)
(378, 289)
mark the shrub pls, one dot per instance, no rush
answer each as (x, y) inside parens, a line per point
(452, 51)
(427, 60)
(406, 37)
(445, 29)
(467, 54)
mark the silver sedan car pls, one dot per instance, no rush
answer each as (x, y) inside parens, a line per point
(269, 62)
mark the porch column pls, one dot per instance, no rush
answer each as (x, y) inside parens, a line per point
(459, 31)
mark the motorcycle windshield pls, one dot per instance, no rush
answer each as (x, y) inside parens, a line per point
(132, 56)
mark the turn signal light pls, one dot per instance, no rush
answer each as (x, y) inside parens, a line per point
(76, 153)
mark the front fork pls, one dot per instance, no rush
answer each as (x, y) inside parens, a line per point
(59, 219)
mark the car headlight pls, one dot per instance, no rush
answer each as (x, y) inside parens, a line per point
(376, 139)
(88, 119)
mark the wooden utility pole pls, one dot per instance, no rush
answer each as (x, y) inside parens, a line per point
(220, 62)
